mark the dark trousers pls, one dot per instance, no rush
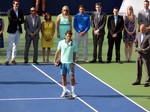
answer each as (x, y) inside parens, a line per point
(27, 46)
(97, 43)
(111, 42)
(140, 61)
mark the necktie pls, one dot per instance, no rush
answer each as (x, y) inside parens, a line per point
(146, 13)
(33, 21)
(115, 19)
(98, 15)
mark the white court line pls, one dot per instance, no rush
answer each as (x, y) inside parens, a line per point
(24, 99)
(112, 88)
(61, 86)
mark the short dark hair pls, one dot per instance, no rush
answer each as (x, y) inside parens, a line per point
(15, 1)
(69, 32)
(45, 17)
(146, 1)
(81, 6)
(116, 8)
(98, 3)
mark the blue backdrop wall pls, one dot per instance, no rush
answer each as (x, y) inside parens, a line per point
(54, 6)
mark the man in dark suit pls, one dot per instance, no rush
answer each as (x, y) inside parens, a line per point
(142, 46)
(32, 26)
(15, 19)
(115, 27)
(98, 21)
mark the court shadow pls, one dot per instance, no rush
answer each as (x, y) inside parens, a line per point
(25, 82)
(99, 96)
(104, 62)
(139, 96)
(28, 64)
(113, 96)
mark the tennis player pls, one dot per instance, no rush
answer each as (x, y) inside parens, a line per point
(66, 50)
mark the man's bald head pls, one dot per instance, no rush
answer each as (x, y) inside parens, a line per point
(142, 28)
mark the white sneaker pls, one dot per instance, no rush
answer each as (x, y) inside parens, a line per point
(76, 60)
(64, 94)
(86, 60)
(73, 94)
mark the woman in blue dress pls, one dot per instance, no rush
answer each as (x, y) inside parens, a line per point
(129, 32)
(63, 23)
(1, 33)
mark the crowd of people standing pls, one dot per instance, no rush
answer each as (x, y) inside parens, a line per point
(119, 27)
(82, 23)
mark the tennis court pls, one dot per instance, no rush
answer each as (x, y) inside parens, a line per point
(37, 88)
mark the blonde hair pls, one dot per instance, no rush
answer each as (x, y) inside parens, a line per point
(130, 15)
(65, 7)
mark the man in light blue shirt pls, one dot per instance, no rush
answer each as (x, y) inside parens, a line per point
(82, 25)
(67, 49)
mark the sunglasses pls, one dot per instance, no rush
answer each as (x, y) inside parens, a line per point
(65, 10)
(32, 10)
(16, 4)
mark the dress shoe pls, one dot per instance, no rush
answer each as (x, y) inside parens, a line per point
(86, 60)
(146, 84)
(25, 62)
(108, 61)
(35, 62)
(93, 61)
(76, 60)
(136, 83)
(14, 62)
(118, 61)
(7, 63)
(101, 61)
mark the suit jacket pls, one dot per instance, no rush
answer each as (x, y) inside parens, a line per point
(30, 28)
(112, 29)
(145, 44)
(14, 21)
(98, 23)
(142, 19)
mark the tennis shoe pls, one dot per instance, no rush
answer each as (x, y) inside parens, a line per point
(64, 94)
(73, 94)
(76, 60)
(86, 60)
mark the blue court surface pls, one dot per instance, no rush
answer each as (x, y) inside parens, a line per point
(37, 88)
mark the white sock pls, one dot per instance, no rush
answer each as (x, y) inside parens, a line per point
(72, 88)
(64, 88)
